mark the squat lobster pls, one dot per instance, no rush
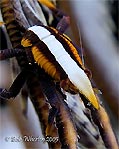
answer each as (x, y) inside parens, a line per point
(55, 59)
(58, 56)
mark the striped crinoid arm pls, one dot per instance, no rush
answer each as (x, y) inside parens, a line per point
(33, 12)
(38, 100)
(9, 19)
(16, 22)
(102, 120)
(88, 134)
(11, 24)
(42, 109)
(59, 114)
(66, 129)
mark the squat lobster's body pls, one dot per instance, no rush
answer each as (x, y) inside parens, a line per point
(57, 55)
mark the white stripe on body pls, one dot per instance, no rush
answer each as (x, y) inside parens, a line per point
(40, 31)
(76, 75)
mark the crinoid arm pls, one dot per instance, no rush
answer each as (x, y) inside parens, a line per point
(15, 87)
(9, 53)
(62, 18)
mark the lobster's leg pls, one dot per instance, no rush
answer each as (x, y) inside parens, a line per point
(15, 87)
(9, 53)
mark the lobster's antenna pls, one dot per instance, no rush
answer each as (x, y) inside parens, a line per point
(80, 39)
